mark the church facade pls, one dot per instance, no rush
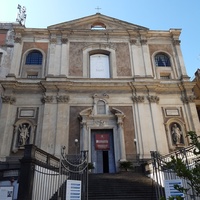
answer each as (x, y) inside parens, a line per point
(115, 89)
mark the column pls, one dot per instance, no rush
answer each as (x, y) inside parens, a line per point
(6, 125)
(146, 58)
(62, 126)
(52, 50)
(64, 57)
(121, 139)
(49, 124)
(15, 64)
(84, 137)
(137, 58)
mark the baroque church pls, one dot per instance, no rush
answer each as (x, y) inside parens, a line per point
(116, 89)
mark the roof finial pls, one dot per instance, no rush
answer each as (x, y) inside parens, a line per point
(97, 8)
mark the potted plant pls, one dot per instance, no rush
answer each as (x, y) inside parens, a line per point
(90, 166)
(126, 165)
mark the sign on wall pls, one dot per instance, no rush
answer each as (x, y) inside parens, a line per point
(99, 66)
(73, 191)
(170, 191)
(102, 142)
(6, 193)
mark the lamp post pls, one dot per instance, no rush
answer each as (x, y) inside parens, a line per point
(76, 145)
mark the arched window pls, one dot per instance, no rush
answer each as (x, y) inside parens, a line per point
(98, 26)
(99, 66)
(162, 60)
(34, 58)
(101, 107)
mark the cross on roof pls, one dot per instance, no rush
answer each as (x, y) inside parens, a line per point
(97, 8)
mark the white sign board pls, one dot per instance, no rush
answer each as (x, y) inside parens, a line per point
(99, 66)
(6, 193)
(73, 190)
(170, 191)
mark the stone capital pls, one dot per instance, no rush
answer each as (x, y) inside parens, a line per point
(153, 99)
(47, 99)
(138, 99)
(8, 99)
(188, 99)
(62, 99)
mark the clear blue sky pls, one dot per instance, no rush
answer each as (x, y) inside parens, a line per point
(153, 14)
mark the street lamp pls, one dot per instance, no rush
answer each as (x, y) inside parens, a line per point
(76, 144)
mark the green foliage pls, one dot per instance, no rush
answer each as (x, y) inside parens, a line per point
(90, 166)
(191, 174)
(126, 165)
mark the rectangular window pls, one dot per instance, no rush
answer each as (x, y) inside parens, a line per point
(32, 75)
(165, 77)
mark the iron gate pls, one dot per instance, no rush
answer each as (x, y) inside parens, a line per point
(44, 176)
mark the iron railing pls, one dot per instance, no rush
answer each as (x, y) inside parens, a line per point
(44, 177)
(160, 173)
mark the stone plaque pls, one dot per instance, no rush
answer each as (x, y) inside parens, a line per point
(172, 112)
(27, 113)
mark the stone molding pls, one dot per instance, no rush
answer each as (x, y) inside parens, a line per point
(8, 99)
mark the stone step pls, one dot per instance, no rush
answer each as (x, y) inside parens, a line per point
(120, 186)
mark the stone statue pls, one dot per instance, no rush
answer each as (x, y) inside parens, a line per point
(23, 134)
(177, 135)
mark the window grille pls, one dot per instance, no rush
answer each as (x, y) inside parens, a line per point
(34, 58)
(162, 60)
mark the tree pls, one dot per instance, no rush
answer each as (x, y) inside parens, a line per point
(190, 173)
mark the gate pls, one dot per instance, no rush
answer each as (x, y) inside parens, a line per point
(45, 177)
(159, 172)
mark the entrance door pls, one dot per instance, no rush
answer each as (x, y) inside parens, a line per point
(103, 151)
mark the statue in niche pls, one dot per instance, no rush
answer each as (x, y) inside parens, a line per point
(177, 135)
(24, 134)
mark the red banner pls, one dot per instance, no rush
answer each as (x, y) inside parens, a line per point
(102, 142)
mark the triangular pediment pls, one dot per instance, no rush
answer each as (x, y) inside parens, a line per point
(98, 19)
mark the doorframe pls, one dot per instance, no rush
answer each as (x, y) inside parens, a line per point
(111, 135)
(113, 119)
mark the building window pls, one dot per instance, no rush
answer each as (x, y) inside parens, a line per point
(162, 60)
(101, 107)
(98, 26)
(165, 76)
(34, 58)
(99, 66)
(32, 74)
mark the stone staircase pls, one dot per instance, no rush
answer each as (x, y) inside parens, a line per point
(120, 186)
